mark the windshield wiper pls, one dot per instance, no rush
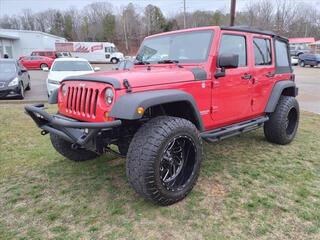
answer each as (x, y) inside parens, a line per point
(168, 61)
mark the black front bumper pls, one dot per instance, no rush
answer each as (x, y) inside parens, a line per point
(73, 131)
(10, 92)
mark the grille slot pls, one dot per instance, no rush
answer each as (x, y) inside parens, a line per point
(82, 101)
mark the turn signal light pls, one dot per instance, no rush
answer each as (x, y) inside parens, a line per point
(140, 110)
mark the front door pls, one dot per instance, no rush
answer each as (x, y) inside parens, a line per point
(231, 94)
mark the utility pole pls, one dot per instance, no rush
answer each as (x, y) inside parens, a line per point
(125, 29)
(184, 14)
(232, 12)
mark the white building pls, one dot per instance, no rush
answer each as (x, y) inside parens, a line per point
(16, 43)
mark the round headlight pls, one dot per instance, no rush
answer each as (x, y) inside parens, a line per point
(108, 96)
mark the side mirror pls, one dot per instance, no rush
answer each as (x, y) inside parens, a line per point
(45, 69)
(96, 69)
(228, 61)
(23, 70)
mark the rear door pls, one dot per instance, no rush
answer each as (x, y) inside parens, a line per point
(231, 94)
(263, 71)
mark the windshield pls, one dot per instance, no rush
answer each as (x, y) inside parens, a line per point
(181, 47)
(71, 66)
(7, 67)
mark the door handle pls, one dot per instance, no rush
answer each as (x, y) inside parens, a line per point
(270, 75)
(246, 76)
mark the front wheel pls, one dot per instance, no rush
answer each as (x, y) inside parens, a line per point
(302, 64)
(164, 159)
(28, 88)
(21, 94)
(283, 124)
(65, 149)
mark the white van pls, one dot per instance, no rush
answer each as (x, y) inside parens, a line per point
(94, 52)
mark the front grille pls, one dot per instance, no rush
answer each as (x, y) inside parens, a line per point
(82, 101)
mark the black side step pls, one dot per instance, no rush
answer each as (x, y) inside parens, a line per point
(235, 129)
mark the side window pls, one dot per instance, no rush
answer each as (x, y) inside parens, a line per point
(41, 54)
(281, 54)
(107, 49)
(234, 44)
(262, 51)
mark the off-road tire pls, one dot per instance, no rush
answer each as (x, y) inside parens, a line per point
(146, 152)
(279, 129)
(64, 148)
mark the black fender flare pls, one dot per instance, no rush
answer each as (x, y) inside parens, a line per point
(126, 106)
(277, 91)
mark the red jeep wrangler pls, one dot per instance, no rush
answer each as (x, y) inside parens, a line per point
(205, 83)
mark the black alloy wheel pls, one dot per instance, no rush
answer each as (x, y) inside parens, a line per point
(177, 163)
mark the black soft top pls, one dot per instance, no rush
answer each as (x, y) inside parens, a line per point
(253, 30)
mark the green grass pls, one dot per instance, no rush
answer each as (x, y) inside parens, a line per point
(248, 189)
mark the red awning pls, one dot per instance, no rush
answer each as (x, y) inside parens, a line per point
(301, 40)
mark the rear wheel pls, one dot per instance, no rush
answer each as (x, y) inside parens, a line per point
(65, 149)
(43, 65)
(283, 124)
(114, 60)
(164, 159)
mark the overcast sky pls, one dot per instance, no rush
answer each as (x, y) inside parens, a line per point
(169, 7)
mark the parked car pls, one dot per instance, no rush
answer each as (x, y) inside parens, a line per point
(66, 67)
(297, 50)
(63, 55)
(233, 80)
(51, 54)
(14, 79)
(309, 59)
(36, 62)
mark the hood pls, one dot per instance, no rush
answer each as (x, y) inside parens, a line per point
(7, 77)
(60, 75)
(141, 76)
